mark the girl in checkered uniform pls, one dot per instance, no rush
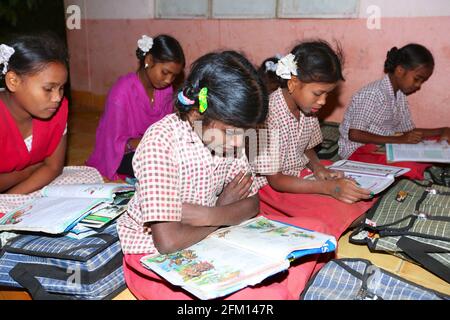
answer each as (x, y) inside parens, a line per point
(308, 75)
(379, 113)
(191, 180)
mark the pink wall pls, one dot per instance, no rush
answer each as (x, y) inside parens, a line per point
(104, 49)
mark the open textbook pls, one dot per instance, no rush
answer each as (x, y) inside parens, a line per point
(374, 177)
(425, 151)
(62, 206)
(238, 256)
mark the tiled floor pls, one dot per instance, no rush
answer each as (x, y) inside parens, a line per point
(82, 125)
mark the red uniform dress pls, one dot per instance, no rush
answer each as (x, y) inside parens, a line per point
(46, 136)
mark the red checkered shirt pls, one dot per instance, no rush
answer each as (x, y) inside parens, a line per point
(172, 166)
(377, 110)
(289, 138)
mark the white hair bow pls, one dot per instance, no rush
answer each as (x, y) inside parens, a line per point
(286, 66)
(5, 54)
(145, 43)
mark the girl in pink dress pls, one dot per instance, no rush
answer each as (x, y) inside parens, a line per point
(136, 101)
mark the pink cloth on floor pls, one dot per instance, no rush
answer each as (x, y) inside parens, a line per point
(336, 215)
(288, 285)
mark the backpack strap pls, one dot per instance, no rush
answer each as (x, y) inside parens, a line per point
(22, 276)
(419, 252)
(27, 274)
(364, 293)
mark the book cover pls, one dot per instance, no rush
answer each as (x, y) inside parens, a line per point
(238, 256)
(425, 151)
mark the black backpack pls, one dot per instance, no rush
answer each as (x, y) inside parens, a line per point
(439, 174)
(329, 147)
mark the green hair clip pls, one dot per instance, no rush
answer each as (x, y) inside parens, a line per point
(203, 103)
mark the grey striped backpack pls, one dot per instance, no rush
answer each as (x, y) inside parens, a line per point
(63, 268)
(359, 279)
(411, 220)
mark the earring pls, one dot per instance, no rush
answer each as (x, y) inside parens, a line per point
(146, 66)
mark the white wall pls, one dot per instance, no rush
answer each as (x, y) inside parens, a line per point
(407, 8)
(145, 9)
(115, 9)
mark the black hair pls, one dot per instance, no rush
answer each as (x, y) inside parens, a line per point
(236, 95)
(317, 62)
(165, 49)
(33, 52)
(409, 57)
(268, 76)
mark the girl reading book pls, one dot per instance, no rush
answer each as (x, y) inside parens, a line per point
(190, 180)
(33, 117)
(308, 75)
(379, 113)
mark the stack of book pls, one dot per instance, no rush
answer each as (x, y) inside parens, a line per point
(76, 210)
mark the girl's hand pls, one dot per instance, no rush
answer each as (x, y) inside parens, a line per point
(411, 137)
(347, 191)
(323, 173)
(239, 188)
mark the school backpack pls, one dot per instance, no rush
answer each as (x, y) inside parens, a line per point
(329, 147)
(359, 279)
(63, 268)
(439, 174)
(411, 220)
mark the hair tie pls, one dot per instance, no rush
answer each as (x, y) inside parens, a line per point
(185, 100)
(270, 66)
(5, 54)
(145, 43)
(203, 102)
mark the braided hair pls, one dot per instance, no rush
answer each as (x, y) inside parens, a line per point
(409, 57)
(317, 62)
(236, 95)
